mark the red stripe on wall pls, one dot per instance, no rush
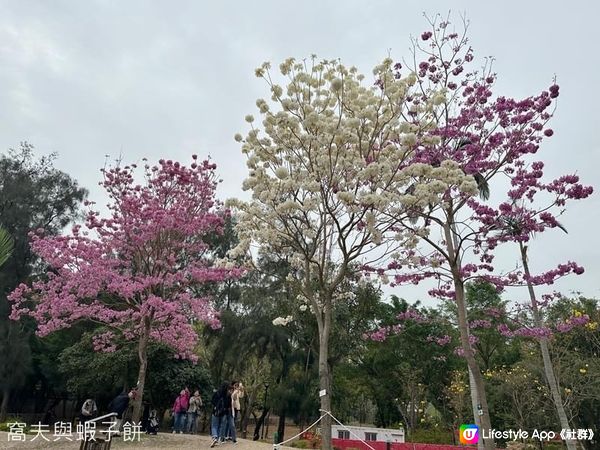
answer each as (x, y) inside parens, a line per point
(344, 444)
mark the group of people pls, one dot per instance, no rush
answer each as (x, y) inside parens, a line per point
(226, 411)
(122, 403)
(186, 410)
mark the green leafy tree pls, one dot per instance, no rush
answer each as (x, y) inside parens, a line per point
(102, 375)
(171, 375)
(15, 363)
(248, 334)
(6, 246)
(486, 312)
(403, 381)
(95, 374)
(576, 354)
(33, 194)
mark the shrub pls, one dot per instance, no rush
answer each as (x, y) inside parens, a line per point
(431, 436)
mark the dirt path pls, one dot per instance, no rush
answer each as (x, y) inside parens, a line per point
(163, 441)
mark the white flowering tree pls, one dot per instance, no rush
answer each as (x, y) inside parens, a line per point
(331, 177)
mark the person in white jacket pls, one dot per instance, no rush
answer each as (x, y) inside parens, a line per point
(193, 412)
(238, 393)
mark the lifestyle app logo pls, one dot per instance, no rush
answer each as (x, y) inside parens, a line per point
(468, 434)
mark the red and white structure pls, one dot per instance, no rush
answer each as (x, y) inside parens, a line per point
(369, 434)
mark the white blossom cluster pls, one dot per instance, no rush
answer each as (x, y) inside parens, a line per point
(344, 296)
(328, 167)
(282, 321)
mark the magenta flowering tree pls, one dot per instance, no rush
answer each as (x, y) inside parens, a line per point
(134, 271)
(533, 207)
(488, 137)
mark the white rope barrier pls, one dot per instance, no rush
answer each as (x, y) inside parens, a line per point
(325, 413)
(349, 430)
(299, 434)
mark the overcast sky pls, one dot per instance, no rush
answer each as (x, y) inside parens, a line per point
(171, 78)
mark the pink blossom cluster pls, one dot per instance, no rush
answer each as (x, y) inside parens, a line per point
(533, 332)
(440, 340)
(382, 333)
(543, 332)
(412, 314)
(133, 271)
(490, 137)
(480, 323)
(548, 298)
(487, 137)
(572, 322)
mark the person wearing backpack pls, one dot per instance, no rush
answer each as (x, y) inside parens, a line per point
(218, 411)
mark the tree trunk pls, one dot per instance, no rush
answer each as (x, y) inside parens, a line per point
(404, 414)
(474, 403)
(325, 375)
(555, 391)
(259, 423)
(481, 408)
(281, 426)
(4, 405)
(249, 401)
(548, 367)
(143, 359)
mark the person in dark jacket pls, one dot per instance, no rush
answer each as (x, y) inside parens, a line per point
(227, 419)
(218, 410)
(119, 405)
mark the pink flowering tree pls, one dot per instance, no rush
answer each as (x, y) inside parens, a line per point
(486, 137)
(134, 272)
(533, 207)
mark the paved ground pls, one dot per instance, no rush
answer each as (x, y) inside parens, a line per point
(163, 441)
